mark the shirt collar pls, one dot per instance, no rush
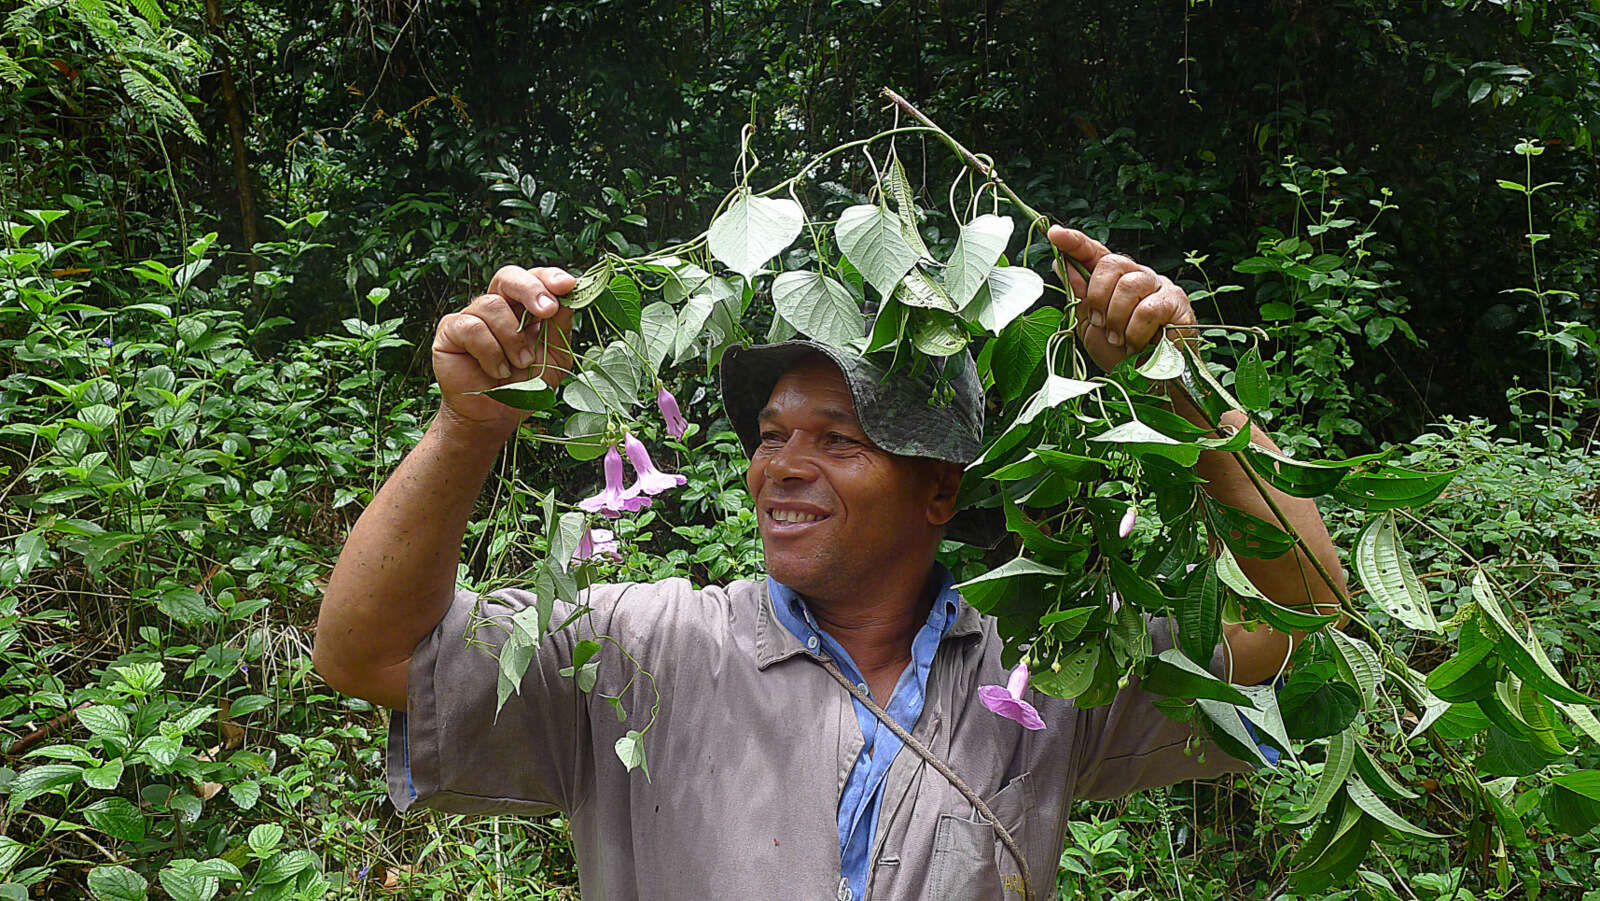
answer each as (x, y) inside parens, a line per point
(784, 619)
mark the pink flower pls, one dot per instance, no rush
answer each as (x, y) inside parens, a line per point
(651, 480)
(614, 500)
(1128, 519)
(676, 424)
(1006, 700)
(596, 543)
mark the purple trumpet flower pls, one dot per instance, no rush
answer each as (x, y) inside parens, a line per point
(676, 424)
(1125, 528)
(651, 480)
(1006, 700)
(614, 500)
(596, 543)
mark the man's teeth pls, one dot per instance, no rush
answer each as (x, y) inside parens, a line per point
(794, 516)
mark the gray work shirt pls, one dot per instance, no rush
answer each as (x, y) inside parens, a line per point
(751, 748)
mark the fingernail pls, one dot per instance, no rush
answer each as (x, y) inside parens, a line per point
(1113, 338)
(546, 300)
(1095, 319)
(505, 371)
(525, 358)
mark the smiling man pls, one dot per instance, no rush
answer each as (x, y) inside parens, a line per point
(774, 772)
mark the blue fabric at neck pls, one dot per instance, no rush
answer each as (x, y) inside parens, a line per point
(863, 790)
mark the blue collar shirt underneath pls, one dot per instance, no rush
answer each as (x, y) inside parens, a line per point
(863, 790)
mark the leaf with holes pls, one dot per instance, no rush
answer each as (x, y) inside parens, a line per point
(918, 289)
(1250, 381)
(1385, 570)
(1390, 487)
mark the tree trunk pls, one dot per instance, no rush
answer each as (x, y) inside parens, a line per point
(235, 114)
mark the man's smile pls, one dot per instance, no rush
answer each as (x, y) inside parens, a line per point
(791, 518)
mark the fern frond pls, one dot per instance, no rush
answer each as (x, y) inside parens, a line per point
(11, 72)
(159, 100)
(151, 10)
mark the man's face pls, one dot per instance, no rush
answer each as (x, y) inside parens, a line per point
(840, 516)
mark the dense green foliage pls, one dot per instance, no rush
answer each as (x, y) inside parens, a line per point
(196, 401)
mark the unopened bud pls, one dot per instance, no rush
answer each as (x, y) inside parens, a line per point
(1128, 519)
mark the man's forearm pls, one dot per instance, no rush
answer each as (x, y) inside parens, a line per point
(396, 575)
(1291, 579)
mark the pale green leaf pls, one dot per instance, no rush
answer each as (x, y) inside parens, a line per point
(264, 838)
(818, 306)
(938, 334)
(106, 721)
(245, 794)
(691, 320)
(1018, 566)
(753, 230)
(183, 884)
(1369, 802)
(869, 235)
(658, 326)
(1008, 293)
(1341, 757)
(917, 289)
(1134, 432)
(1053, 393)
(1357, 661)
(1385, 570)
(977, 249)
(1166, 362)
(1582, 718)
(630, 750)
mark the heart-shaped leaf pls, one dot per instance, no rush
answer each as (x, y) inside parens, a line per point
(753, 230)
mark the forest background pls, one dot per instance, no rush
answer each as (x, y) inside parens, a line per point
(229, 227)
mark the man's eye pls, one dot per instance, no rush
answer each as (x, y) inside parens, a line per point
(841, 440)
(771, 438)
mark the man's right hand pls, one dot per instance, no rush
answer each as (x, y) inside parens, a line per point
(515, 331)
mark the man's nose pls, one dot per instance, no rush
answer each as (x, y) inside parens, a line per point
(792, 460)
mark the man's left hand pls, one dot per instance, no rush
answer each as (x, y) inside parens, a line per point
(1124, 306)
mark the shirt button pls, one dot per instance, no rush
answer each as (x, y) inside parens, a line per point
(863, 687)
(812, 642)
(844, 891)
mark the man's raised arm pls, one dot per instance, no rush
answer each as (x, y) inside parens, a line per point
(396, 575)
(1123, 307)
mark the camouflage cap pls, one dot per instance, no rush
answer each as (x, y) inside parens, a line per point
(934, 411)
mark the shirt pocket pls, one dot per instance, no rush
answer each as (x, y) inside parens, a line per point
(970, 861)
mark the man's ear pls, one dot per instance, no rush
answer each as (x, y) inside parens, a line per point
(947, 484)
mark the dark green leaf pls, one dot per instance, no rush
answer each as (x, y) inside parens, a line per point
(1390, 487)
(1250, 381)
(1198, 615)
(1247, 535)
(1315, 704)
(1174, 675)
(532, 394)
(1020, 349)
